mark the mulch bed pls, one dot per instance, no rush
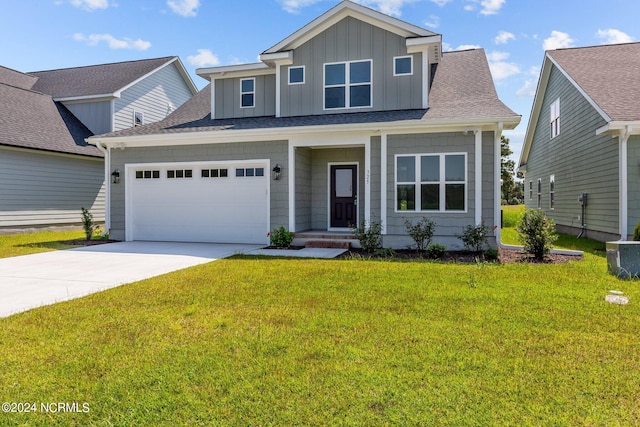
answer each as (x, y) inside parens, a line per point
(506, 256)
(83, 242)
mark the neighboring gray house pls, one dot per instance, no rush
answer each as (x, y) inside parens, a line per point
(355, 117)
(47, 171)
(584, 138)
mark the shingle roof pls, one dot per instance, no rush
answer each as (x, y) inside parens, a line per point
(94, 79)
(462, 89)
(16, 78)
(32, 120)
(609, 75)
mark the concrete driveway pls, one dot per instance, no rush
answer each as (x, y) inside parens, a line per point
(31, 281)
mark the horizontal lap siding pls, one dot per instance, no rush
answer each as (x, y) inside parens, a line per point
(94, 115)
(276, 151)
(42, 189)
(633, 162)
(152, 96)
(580, 160)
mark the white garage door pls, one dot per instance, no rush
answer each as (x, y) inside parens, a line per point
(207, 202)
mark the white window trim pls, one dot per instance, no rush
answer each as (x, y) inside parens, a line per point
(141, 118)
(530, 190)
(539, 201)
(395, 73)
(442, 182)
(253, 92)
(554, 113)
(552, 192)
(347, 85)
(304, 75)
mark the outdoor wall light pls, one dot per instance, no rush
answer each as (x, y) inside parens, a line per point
(276, 172)
(115, 176)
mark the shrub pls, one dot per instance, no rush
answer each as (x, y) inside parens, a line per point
(436, 250)
(537, 233)
(475, 237)
(421, 233)
(89, 226)
(491, 254)
(370, 237)
(281, 238)
(636, 232)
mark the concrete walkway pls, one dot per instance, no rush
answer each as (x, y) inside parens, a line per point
(32, 281)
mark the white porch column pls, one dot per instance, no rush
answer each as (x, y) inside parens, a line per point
(497, 197)
(623, 185)
(291, 164)
(383, 182)
(367, 182)
(478, 135)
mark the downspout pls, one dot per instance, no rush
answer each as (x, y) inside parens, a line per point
(107, 187)
(496, 183)
(624, 173)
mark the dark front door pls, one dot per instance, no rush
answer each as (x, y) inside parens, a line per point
(343, 196)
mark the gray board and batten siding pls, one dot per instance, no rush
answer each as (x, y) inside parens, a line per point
(228, 99)
(580, 160)
(156, 96)
(350, 40)
(451, 223)
(276, 151)
(40, 189)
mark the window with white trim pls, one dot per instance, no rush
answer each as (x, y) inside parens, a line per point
(539, 193)
(347, 84)
(431, 182)
(247, 93)
(555, 118)
(530, 190)
(138, 118)
(296, 75)
(552, 192)
(403, 66)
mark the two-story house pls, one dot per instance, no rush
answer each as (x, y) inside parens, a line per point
(581, 150)
(357, 116)
(47, 171)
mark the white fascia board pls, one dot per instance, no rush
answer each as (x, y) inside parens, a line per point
(269, 134)
(88, 98)
(242, 70)
(341, 11)
(417, 43)
(278, 58)
(614, 128)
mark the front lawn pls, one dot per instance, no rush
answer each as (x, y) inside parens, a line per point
(251, 341)
(30, 243)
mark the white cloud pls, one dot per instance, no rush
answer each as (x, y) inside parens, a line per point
(503, 37)
(432, 22)
(491, 7)
(440, 2)
(488, 7)
(184, 7)
(528, 90)
(114, 43)
(90, 4)
(500, 68)
(557, 40)
(467, 47)
(613, 36)
(294, 6)
(389, 7)
(204, 58)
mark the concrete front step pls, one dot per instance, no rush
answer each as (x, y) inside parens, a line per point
(326, 243)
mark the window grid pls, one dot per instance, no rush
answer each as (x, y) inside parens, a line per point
(348, 85)
(539, 193)
(555, 118)
(247, 93)
(552, 192)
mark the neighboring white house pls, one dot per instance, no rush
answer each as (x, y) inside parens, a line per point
(356, 117)
(47, 171)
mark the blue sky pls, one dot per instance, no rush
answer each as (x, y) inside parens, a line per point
(49, 34)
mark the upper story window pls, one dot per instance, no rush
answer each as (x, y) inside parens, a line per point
(138, 118)
(433, 182)
(552, 192)
(555, 118)
(403, 66)
(539, 193)
(296, 75)
(347, 85)
(247, 93)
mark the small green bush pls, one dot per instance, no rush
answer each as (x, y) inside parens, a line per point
(537, 233)
(475, 237)
(88, 225)
(281, 238)
(436, 250)
(491, 254)
(370, 237)
(421, 232)
(636, 233)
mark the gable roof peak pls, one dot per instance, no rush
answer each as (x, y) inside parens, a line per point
(345, 9)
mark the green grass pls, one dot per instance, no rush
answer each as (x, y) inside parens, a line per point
(511, 215)
(25, 244)
(251, 341)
